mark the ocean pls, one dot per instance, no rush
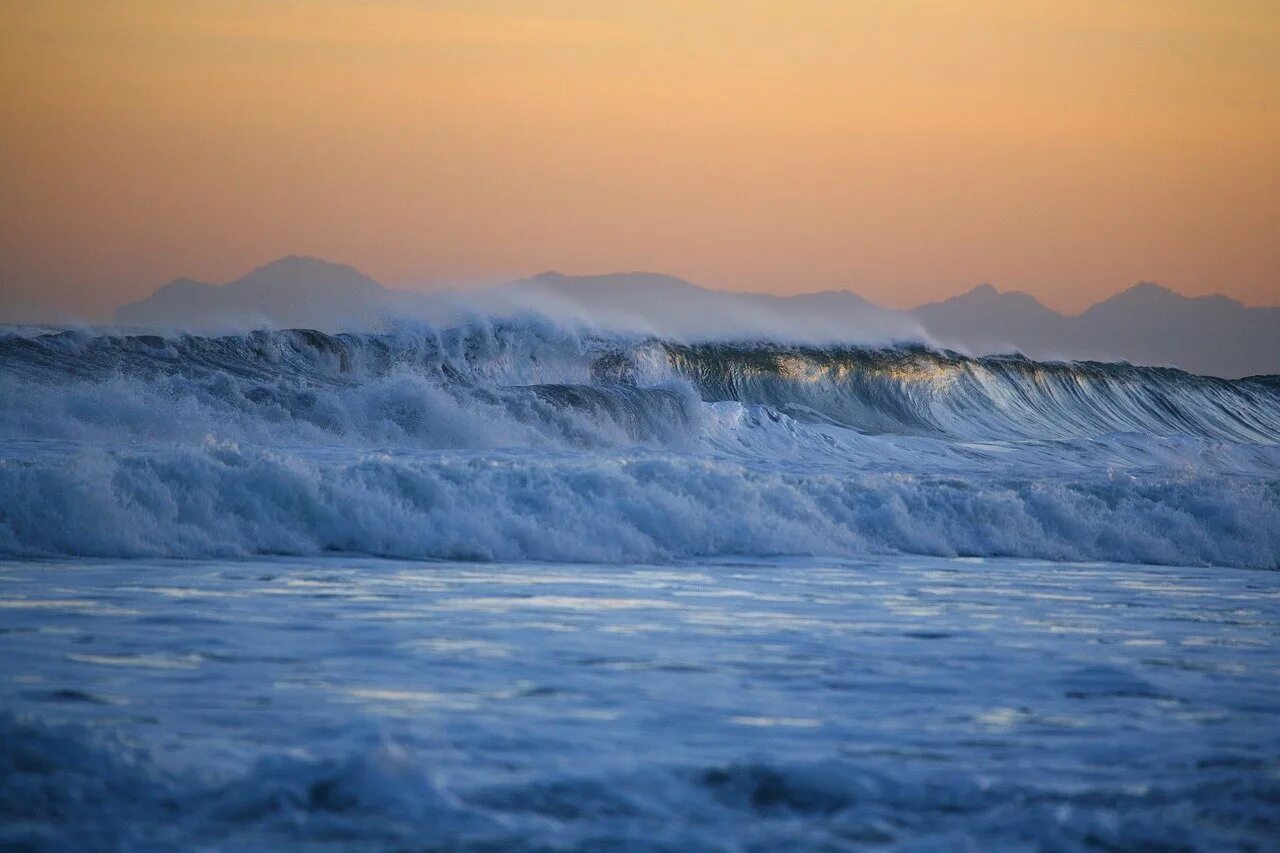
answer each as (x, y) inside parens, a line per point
(510, 585)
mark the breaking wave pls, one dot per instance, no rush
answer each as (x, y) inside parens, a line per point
(526, 440)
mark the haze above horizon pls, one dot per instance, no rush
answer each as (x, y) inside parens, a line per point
(906, 152)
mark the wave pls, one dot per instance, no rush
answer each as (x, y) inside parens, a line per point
(531, 373)
(528, 440)
(225, 500)
(476, 387)
(916, 389)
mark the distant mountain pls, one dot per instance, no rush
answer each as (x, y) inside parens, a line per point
(1146, 324)
(293, 291)
(1150, 324)
(986, 320)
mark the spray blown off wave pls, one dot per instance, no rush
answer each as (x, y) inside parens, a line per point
(527, 440)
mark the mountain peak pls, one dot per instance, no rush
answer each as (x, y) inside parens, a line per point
(295, 290)
(292, 260)
(1148, 293)
(986, 298)
(1149, 289)
(1147, 296)
(300, 265)
(301, 275)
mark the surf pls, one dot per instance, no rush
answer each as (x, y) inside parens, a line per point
(495, 440)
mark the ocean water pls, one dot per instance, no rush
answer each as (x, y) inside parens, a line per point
(511, 585)
(799, 703)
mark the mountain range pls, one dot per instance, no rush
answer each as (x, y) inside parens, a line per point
(1146, 324)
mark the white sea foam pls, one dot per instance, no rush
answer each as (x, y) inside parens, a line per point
(530, 441)
(227, 500)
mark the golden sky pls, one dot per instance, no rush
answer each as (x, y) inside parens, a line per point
(904, 149)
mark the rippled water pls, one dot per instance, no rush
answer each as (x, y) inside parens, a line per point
(766, 704)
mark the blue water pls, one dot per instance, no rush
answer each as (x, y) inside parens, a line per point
(516, 586)
(765, 704)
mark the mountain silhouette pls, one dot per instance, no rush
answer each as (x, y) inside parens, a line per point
(1146, 324)
(293, 291)
(986, 320)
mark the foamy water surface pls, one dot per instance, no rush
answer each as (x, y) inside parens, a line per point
(718, 705)
(513, 585)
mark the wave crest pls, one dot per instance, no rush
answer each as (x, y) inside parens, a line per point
(530, 441)
(501, 371)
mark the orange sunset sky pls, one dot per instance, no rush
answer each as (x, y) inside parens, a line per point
(904, 149)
